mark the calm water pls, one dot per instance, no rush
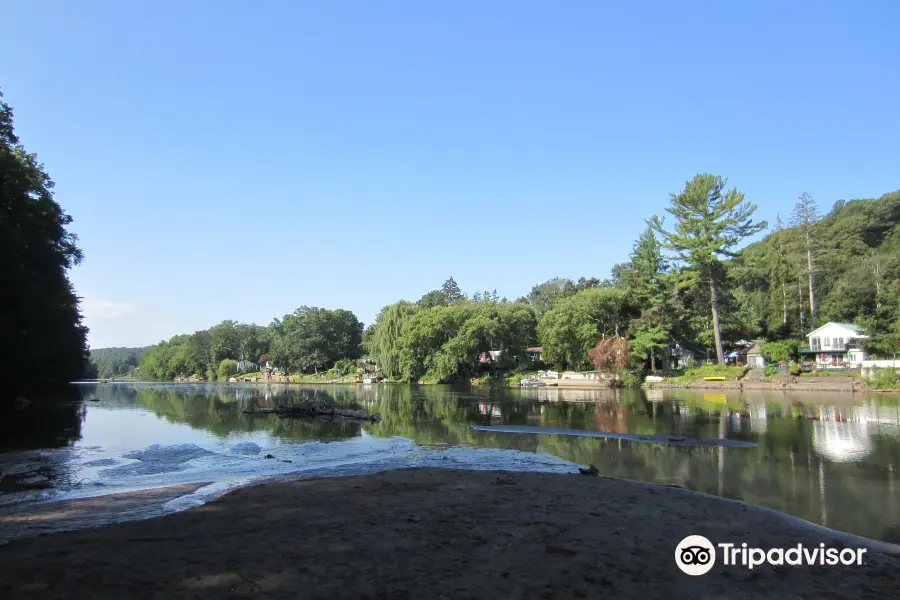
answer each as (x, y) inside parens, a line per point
(827, 458)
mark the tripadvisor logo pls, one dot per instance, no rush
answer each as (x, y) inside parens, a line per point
(696, 555)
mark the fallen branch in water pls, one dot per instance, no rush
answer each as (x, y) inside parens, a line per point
(314, 408)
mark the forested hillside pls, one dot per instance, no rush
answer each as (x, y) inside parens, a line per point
(856, 265)
(115, 362)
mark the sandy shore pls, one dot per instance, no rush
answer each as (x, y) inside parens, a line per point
(31, 519)
(435, 533)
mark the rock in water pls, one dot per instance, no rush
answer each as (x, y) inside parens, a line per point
(177, 453)
(591, 471)
(246, 448)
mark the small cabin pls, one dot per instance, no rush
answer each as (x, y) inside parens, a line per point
(755, 358)
(681, 355)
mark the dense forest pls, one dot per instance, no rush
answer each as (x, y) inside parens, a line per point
(109, 363)
(854, 255)
(42, 340)
(686, 280)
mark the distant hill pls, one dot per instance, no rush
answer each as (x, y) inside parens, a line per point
(857, 257)
(116, 362)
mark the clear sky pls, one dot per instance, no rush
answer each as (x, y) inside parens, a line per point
(228, 159)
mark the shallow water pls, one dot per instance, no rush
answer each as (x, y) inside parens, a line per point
(827, 458)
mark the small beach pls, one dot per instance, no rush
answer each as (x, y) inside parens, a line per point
(436, 533)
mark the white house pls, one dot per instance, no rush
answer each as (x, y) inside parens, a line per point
(835, 345)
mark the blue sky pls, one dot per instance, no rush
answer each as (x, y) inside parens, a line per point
(228, 159)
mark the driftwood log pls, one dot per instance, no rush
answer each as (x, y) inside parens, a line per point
(316, 408)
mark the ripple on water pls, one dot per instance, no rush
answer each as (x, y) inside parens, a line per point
(103, 462)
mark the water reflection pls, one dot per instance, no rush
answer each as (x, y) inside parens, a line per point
(53, 422)
(830, 459)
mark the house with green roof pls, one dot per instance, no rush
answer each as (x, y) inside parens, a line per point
(835, 345)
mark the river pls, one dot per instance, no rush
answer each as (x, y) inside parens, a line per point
(824, 457)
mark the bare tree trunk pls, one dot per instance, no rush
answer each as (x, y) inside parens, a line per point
(875, 269)
(781, 273)
(714, 304)
(652, 361)
(784, 301)
(802, 310)
(812, 280)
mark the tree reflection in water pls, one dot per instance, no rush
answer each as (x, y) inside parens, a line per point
(49, 421)
(827, 459)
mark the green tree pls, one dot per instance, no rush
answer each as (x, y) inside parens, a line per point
(709, 222)
(382, 340)
(451, 291)
(448, 295)
(227, 369)
(574, 324)
(432, 299)
(224, 341)
(645, 280)
(313, 339)
(444, 343)
(40, 323)
(253, 341)
(544, 295)
(782, 350)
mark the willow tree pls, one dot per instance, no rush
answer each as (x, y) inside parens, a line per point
(709, 222)
(387, 329)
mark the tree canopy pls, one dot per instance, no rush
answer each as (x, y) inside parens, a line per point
(709, 223)
(40, 321)
(115, 362)
(443, 343)
(313, 339)
(670, 288)
(575, 324)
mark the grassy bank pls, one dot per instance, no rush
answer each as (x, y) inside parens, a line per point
(884, 380)
(697, 374)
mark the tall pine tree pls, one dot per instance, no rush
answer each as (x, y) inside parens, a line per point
(709, 223)
(644, 277)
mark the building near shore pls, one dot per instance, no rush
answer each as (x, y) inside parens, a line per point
(835, 345)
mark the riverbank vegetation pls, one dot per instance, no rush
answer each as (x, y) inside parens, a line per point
(40, 322)
(684, 280)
